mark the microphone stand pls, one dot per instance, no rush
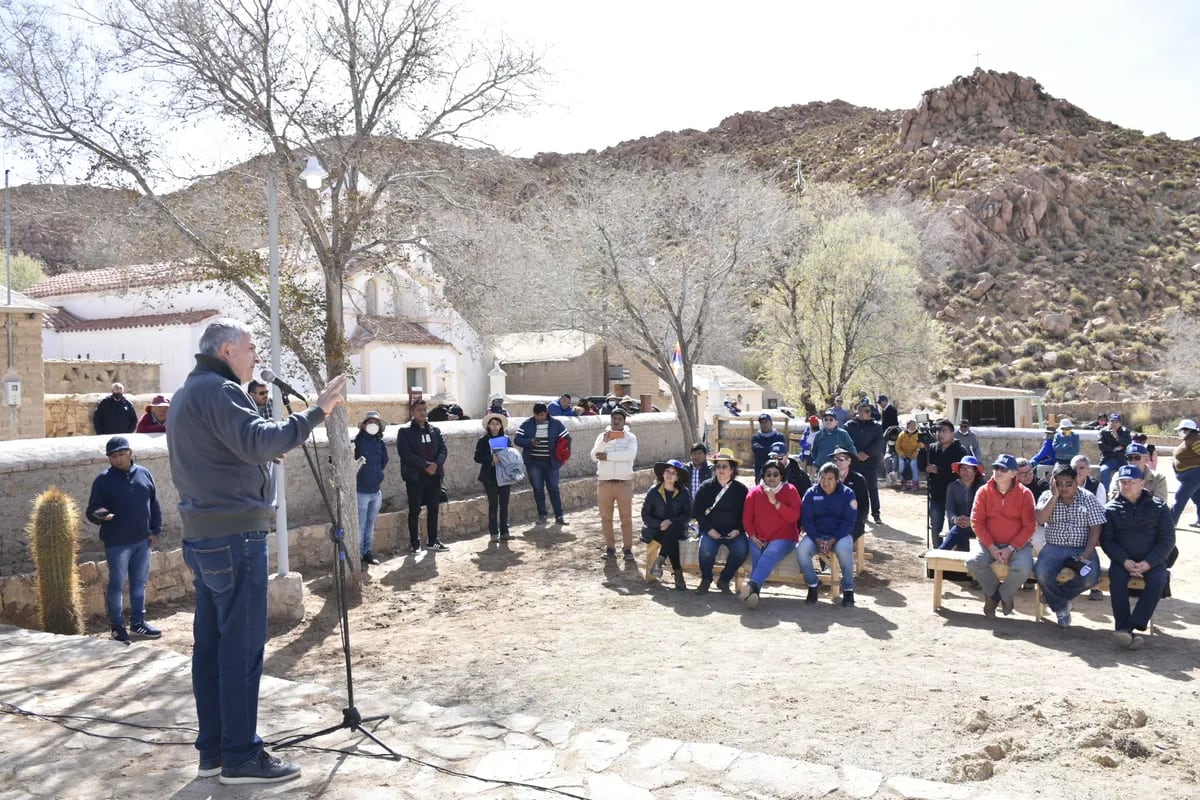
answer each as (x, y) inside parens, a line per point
(352, 720)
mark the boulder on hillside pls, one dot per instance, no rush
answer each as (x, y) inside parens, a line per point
(1055, 324)
(1098, 391)
(1050, 358)
(985, 284)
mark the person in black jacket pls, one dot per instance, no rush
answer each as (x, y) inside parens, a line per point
(1114, 438)
(867, 435)
(422, 456)
(889, 415)
(1138, 535)
(115, 414)
(486, 458)
(371, 454)
(943, 455)
(717, 508)
(844, 460)
(665, 514)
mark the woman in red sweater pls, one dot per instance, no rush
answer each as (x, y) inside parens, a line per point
(769, 519)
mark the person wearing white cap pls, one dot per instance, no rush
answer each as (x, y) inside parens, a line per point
(1066, 442)
(1187, 469)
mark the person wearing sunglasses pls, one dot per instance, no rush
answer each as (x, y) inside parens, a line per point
(1137, 455)
(1003, 520)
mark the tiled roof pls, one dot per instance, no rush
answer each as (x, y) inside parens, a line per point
(390, 330)
(115, 278)
(66, 322)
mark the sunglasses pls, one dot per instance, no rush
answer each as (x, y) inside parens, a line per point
(1133, 458)
(1001, 469)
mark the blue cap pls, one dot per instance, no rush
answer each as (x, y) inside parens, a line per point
(830, 413)
(1007, 462)
(1137, 449)
(967, 461)
(883, 398)
(763, 416)
(115, 445)
(1129, 472)
(1112, 417)
(779, 449)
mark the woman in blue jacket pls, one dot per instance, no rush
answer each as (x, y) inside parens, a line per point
(486, 448)
(827, 515)
(371, 454)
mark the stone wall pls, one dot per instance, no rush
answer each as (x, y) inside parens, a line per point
(310, 551)
(27, 420)
(29, 467)
(83, 376)
(1164, 413)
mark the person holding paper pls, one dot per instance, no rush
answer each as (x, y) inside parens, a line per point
(614, 453)
(487, 450)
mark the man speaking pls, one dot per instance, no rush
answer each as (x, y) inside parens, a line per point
(221, 454)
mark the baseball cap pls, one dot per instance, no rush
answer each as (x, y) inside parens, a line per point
(1112, 417)
(1130, 472)
(1137, 449)
(1007, 462)
(829, 413)
(764, 416)
(779, 449)
(115, 445)
(883, 398)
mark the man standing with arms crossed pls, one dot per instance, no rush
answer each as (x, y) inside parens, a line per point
(222, 454)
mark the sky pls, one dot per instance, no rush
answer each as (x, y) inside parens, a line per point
(621, 69)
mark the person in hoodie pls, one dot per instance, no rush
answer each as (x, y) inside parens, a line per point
(769, 517)
(760, 443)
(371, 454)
(615, 452)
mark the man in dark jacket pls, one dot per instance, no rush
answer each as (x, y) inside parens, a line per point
(867, 435)
(115, 414)
(844, 460)
(889, 415)
(422, 454)
(372, 456)
(538, 439)
(124, 504)
(943, 455)
(761, 441)
(222, 453)
(1113, 441)
(1139, 534)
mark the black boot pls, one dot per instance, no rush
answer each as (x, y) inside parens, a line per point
(848, 598)
(812, 595)
(679, 584)
(703, 587)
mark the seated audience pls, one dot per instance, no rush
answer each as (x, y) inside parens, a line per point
(769, 519)
(717, 508)
(828, 514)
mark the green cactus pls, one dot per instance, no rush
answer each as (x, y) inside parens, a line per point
(54, 541)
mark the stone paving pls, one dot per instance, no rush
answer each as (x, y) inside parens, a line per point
(446, 752)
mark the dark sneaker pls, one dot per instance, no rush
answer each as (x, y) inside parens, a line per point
(609, 553)
(703, 587)
(145, 631)
(541, 519)
(370, 558)
(120, 634)
(209, 767)
(629, 556)
(848, 599)
(437, 546)
(1095, 594)
(1007, 607)
(723, 586)
(560, 521)
(414, 548)
(989, 606)
(263, 768)
(811, 599)
(875, 518)
(505, 536)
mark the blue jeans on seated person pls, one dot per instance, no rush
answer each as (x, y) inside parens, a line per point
(127, 562)
(910, 469)
(230, 634)
(1053, 558)
(766, 557)
(843, 548)
(1118, 589)
(738, 548)
(957, 539)
(368, 512)
(1020, 567)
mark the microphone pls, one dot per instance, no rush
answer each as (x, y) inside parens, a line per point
(267, 376)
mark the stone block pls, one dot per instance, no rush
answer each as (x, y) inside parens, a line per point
(921, 789)
(285, 598)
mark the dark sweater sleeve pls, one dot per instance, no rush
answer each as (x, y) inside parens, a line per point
(483, 450)
(155, 509)
(1165, 541)
(1109, 542)
(651, 509)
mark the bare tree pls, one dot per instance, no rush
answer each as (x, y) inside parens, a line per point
(648, 261)
(354, 82)
(839, 301)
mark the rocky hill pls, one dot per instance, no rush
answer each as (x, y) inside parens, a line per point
(1078, 235)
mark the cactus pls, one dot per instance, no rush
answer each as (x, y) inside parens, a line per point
(54, 541)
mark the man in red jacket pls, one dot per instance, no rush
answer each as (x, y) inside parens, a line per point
(1003, 520)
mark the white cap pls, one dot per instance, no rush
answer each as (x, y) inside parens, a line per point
(1188, 425)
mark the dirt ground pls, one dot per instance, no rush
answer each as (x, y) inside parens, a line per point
(542, 625)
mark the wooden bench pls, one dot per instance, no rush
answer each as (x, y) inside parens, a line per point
(955, 561)
(787, 571)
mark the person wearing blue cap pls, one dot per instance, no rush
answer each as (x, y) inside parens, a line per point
(760, 443)
(1002, 518)
(1068, 564)
(1137, 455)
(1139, 535)
(1113, 441)
(124, 503)
(960, 497)
(792, 468)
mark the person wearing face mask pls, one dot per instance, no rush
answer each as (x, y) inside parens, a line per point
(769, 518)
(371, 454)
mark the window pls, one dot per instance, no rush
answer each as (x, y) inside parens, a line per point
(416, 377)
(372, 297)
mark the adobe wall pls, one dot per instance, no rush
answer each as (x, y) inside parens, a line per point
(83, 376)
(26, 420)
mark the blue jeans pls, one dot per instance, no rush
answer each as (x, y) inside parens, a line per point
(910, 466)
(543, 477)
(869, 469)
(368, 512)
(738, 548)
(127, 562)
(1108, 468)
(1118, 589)
(957, 539)
(766, 557)
(1020, 567)
(1052, 558)
(1189, 489)
(230, 633)
(937, 521)
(843, 548)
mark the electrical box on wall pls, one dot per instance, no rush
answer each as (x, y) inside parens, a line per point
(12, 391)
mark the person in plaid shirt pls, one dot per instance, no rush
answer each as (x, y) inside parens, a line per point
(1068, 564)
